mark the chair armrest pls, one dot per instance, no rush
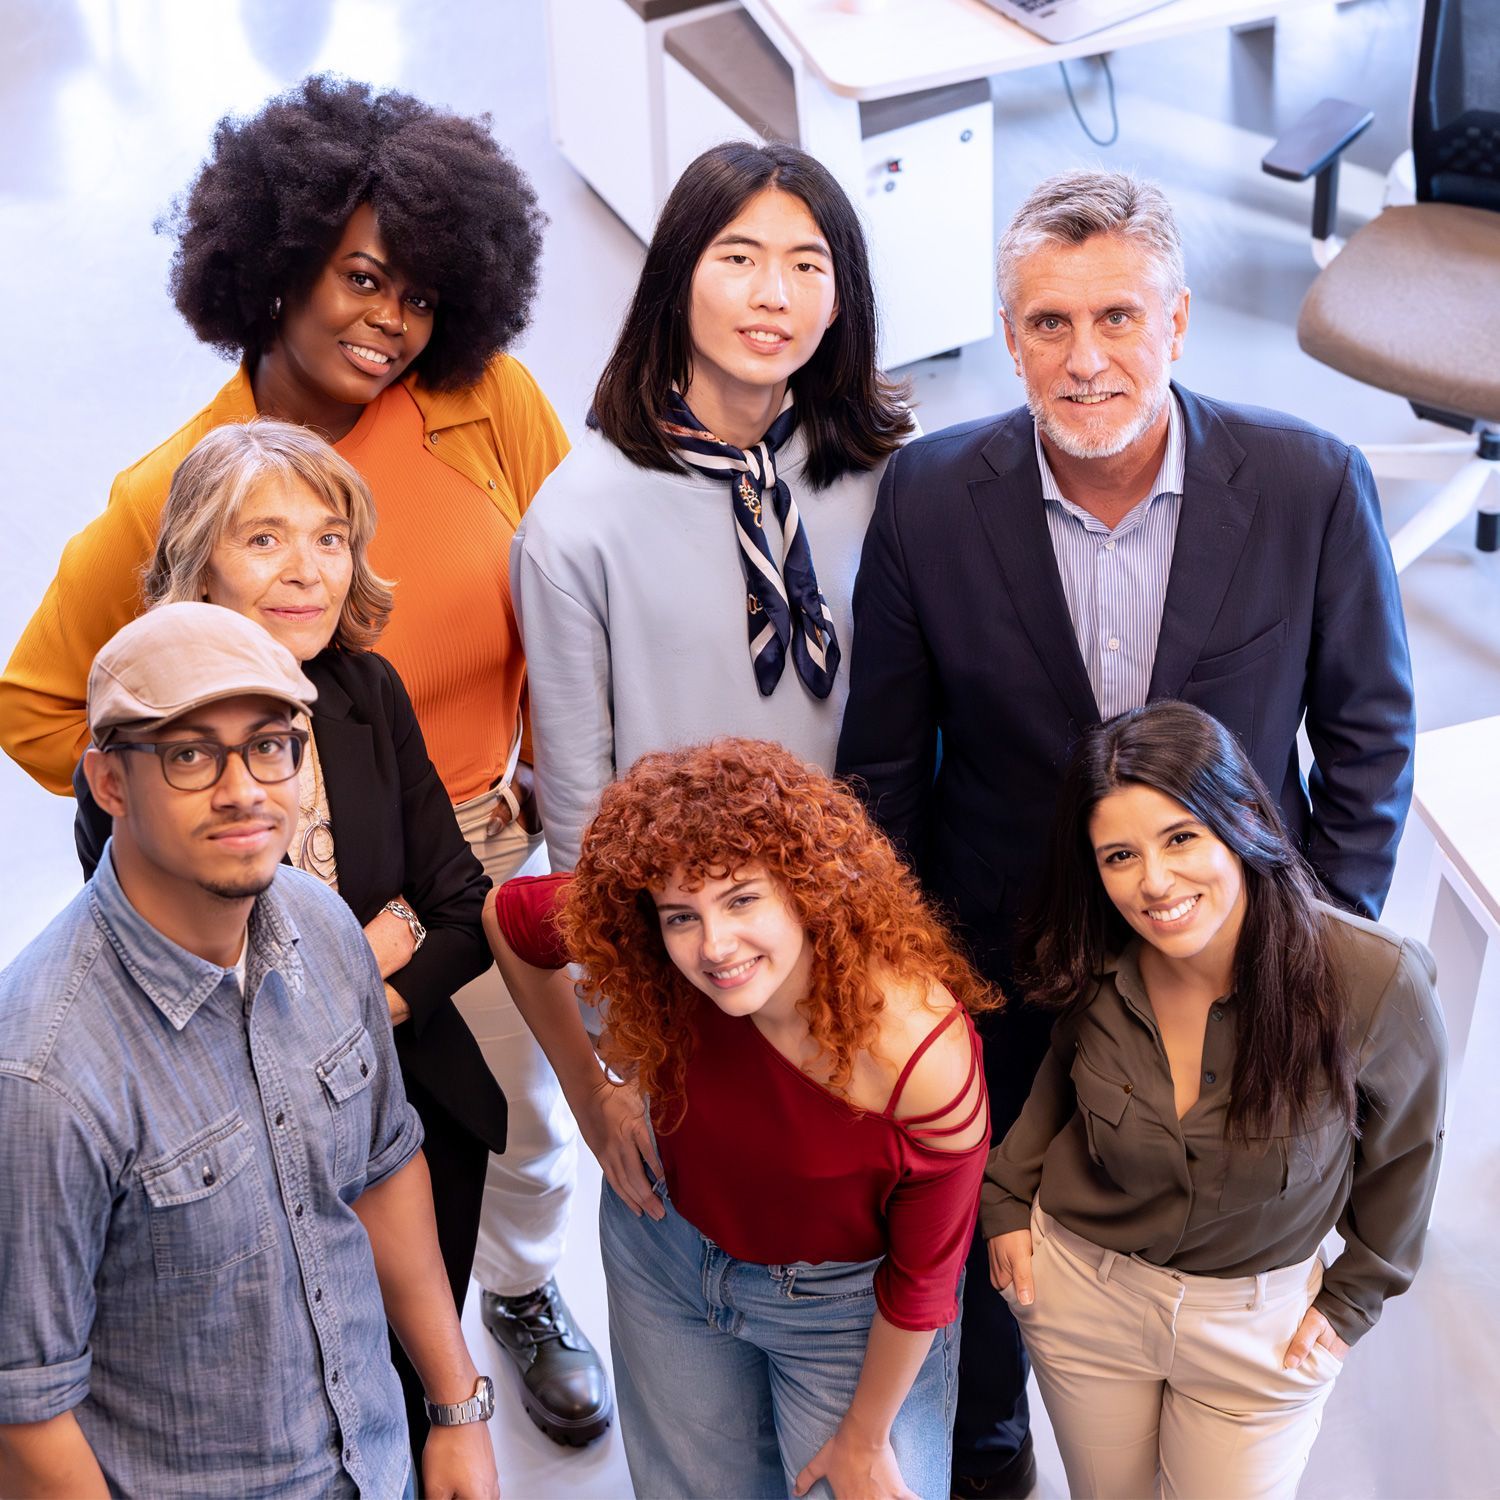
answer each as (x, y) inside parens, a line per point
(1315, 141)
(1311, 148)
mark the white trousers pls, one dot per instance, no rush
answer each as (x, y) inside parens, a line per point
(1162, 1383)
(528, 1191)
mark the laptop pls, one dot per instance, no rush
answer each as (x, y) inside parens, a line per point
(1067, 20)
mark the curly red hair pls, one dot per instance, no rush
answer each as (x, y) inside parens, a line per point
(714, 809)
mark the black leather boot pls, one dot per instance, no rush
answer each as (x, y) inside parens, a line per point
(564, 1388)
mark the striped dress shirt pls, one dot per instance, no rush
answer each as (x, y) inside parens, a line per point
(1115, 581)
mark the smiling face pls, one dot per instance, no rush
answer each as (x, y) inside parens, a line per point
(1177, 884)
(737, 939)
(284, 562)
(1094, 340)
(358, 329)
(763, 294)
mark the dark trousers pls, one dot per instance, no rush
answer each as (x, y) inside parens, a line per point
(993, 1416)
(457, 1159)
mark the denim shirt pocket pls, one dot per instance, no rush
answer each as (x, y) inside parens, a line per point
(207, 1202)
(346, 1072)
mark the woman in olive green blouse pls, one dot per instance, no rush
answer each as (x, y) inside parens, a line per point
(1237, 1068)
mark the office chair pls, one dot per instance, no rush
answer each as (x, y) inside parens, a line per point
(1411, 303)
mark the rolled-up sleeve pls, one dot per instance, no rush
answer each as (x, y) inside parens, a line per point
(54, 1220)
(1401, 1085)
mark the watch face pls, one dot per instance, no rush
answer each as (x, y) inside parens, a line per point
(486, 1397)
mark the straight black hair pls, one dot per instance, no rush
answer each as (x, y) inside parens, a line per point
(851, 414)
(1291, 1006)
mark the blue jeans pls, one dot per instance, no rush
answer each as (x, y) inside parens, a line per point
(730, 1376)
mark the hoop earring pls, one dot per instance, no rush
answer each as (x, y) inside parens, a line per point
(275, 308)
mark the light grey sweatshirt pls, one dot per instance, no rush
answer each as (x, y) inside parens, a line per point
(631, 600)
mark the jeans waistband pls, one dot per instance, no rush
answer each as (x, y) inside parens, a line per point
(1178, 1286)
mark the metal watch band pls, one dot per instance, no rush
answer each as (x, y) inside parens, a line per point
(480, 1407)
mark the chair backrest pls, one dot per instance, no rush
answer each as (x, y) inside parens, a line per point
(1455, 124)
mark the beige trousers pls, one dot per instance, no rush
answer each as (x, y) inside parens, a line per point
(1162, 1383)
(528, 1191)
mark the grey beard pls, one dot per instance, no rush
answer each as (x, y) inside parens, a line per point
(1109, 447)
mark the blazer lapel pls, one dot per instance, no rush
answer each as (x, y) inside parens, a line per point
(1211, 531)
(345, 751)
(1011, 511)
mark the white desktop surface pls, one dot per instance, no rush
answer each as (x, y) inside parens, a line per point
(1456, 798)
(901, 46)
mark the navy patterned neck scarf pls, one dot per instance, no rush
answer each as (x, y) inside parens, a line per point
(785, 607)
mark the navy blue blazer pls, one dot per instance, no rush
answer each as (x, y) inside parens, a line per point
(1281, 605)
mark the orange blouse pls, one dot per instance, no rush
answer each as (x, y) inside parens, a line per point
(444, 535)
(452, 635)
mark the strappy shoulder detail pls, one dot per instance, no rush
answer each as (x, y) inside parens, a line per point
(917, 1055)
(925, 1128)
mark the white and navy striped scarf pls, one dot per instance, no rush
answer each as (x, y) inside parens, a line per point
(783, 602)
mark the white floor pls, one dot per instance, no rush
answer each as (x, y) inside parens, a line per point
(106, 106)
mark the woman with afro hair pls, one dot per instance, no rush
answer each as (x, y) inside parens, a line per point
(368, 260)
(783, 1242)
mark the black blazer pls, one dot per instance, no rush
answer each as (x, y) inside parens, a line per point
(394, 835)
(1281, 603)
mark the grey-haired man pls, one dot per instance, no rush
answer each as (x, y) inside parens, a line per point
(1118, 539)
(212, 1176)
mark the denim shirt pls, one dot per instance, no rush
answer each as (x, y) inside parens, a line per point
(180, 1266)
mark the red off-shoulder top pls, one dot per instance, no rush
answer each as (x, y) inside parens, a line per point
(775, 1169)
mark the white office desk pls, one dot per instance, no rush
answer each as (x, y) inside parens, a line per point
(908, 45)
(1459, 919)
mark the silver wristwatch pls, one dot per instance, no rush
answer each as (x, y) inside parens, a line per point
(412, 920)
(480, 1407)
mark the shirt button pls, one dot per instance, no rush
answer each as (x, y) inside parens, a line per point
(491, 484)
(334, 1379)
(433, 437)
(1210, 1078)
(318, 1294)
(298, 1210)
(281, 1117)
(1217, 1013)
(208, 1177)
(1109, 546)
(1114, 643)
(364, 1070)
(1129, 1088)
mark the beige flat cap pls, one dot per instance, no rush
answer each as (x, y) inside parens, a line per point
(178, 657)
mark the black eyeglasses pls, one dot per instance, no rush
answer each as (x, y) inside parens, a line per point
(195, 765)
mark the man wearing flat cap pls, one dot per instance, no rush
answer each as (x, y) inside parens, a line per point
(210, 1170)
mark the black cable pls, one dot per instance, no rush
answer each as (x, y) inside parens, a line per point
(1114, 114)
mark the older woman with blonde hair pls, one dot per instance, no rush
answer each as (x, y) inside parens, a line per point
(266, 519)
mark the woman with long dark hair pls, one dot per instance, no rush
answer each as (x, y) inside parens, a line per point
(1236, 1068)
(784, 1289)
(688, 570)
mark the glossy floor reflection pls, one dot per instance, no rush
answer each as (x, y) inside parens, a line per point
(106, 106)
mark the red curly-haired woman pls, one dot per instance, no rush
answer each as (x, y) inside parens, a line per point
(783, 1284)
